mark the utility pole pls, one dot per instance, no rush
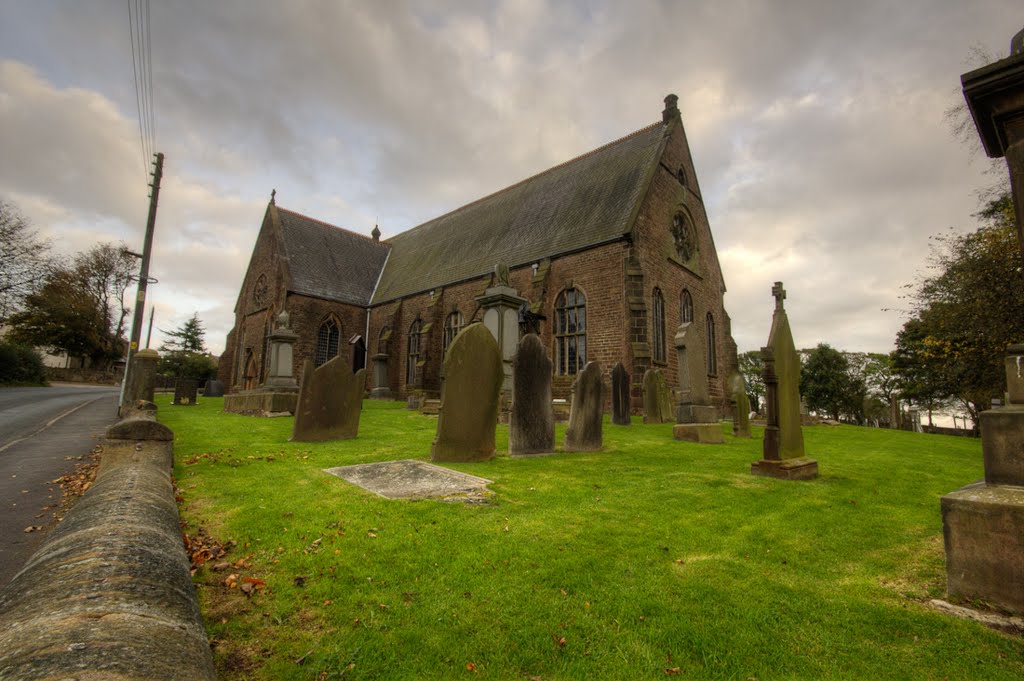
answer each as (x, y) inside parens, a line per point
(149, 333)
(140, 297)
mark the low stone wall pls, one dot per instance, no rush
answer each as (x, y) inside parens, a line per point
(98, 376)
(109, 595)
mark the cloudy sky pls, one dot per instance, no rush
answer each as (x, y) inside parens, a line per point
(817, 129)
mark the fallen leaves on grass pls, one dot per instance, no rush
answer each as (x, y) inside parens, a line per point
(470, 667)
(673, 671)
(33, 528)
(202, 548)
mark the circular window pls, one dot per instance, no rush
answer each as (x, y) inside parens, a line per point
(682, 234)
(259, 292)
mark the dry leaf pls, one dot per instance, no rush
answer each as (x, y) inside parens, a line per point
(672, 671)
(470, 667)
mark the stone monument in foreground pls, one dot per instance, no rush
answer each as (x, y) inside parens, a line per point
(280, 393)
(983, 523)
(470, 393)
(330, 402)
(783, 438)
(696, 417)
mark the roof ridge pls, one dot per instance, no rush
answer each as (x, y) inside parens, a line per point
(534, 176)
(327, 224)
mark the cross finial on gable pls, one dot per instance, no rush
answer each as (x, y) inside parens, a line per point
(779, 293)
(273, 193)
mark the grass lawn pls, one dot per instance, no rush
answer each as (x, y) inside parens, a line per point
(652, 558)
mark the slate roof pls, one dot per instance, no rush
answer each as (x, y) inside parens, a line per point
(329, 262)
(584, 202)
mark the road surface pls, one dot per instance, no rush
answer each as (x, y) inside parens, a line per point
(43, 431)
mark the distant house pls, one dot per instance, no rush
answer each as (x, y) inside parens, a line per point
(59, 360)
(612, 250)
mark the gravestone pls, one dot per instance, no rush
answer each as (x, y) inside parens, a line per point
(470, 393)
(657, 397)
(696, 417)
(532, 421)
(741, 406)
(583, 433)
(500, 304)
(330, 402)
(185, 390)
(280, 393)
(620, 395)
(784, 456)
(381, 389)
(213, 388)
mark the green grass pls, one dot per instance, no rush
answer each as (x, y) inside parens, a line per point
(648, 556)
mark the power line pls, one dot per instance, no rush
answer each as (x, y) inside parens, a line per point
(142, 71)
(138, 103)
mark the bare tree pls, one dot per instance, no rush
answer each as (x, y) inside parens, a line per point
(24, 259)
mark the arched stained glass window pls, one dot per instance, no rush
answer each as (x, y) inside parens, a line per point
(712, 354)
(452, 325)
(570, 332)
(327, 342)
(413, 355)
(685, 307)
(658, 328)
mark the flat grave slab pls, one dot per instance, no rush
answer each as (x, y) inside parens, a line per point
(408, 479)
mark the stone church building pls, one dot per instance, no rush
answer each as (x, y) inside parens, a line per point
(612, 251)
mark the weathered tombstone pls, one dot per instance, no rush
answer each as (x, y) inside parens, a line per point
(783, 438)
(381, 390)
(330, 402)
(142, 377)
(280, 393)
(185, 390)
(741, 406)
(500, 304)
(696, 417)
(470, 393)
(213, 388)
(620, 395)
(583, 433)
(532, 421)
(657, 397)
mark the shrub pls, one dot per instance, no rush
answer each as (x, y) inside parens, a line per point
(20, 364)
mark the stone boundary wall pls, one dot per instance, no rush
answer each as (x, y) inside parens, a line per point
(109, 594)
(98, 376)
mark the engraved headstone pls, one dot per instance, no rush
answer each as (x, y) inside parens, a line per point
(696, 417)
(470, 392)
(620, 395)
(584, 431)
(657, 398)
(783, 438)
(330, 402)
(532, 421)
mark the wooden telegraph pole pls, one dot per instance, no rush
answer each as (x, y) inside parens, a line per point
(140, 297)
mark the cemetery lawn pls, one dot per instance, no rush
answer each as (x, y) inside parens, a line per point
(653, 558)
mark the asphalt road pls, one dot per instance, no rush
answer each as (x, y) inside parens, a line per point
(43, 432)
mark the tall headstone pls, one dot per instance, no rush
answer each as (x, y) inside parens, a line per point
(280, 393)
(983, 523)
(657, 397)
(784, 456)
(381, 387)
(185, 391)
(470, 392)
(330, 402)
(741, 406)
(583, 433)
(696, 417)
(532, 420)
(620, 395)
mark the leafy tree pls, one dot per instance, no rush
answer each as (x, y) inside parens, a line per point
(828, 386)
(24, 261)
(185, 352)
(80, 309)
(965, 313)
(20, 364)
(752, 368)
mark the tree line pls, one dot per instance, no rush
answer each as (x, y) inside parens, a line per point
(78, 305)
(964, 311)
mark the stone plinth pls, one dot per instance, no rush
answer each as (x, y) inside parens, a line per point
(704, 433)
(800, 468)
(261, 403)
(142, 377)
(983, 527)
(380, 390)
(1002, 445)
